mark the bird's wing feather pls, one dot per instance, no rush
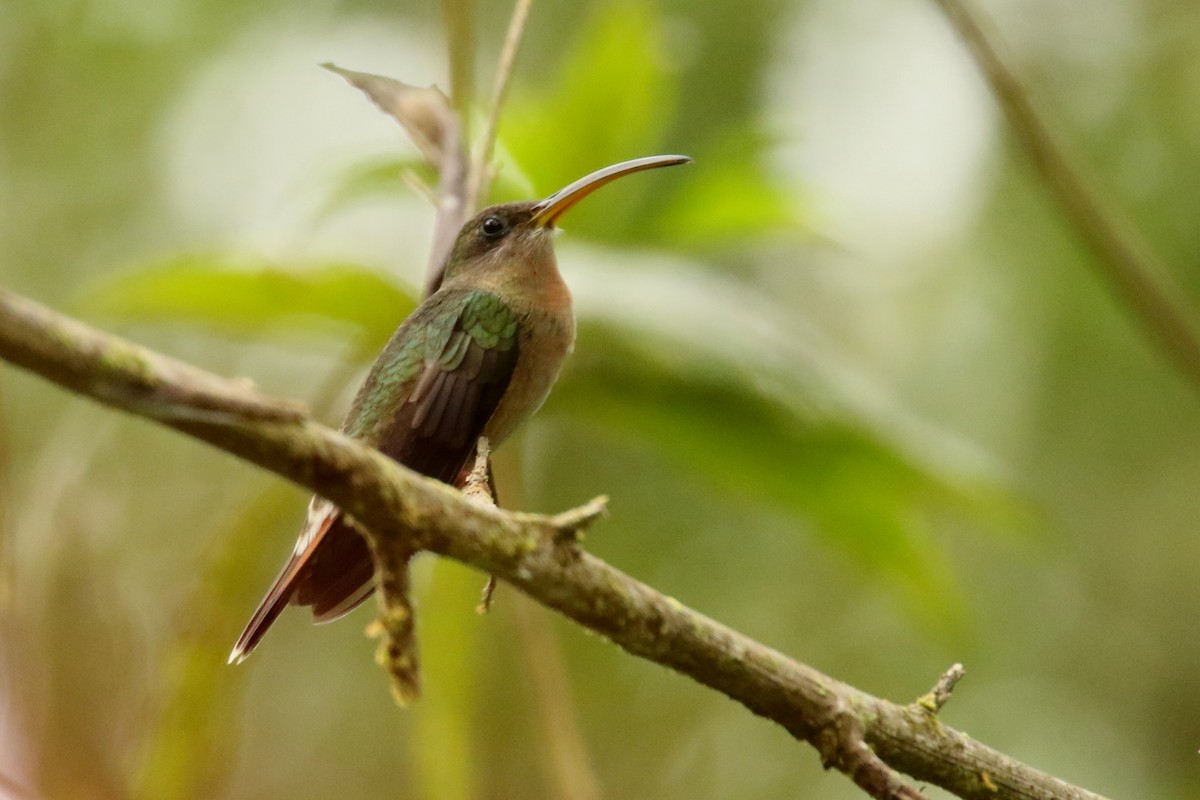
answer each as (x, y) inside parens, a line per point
(468, 350)
(466, 371)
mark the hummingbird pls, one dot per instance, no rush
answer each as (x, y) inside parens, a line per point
(476, 358)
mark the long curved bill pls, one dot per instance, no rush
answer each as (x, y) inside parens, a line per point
(547, 212)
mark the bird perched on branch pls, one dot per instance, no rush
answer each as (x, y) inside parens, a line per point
(477, 358)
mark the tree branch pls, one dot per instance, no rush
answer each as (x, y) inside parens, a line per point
(854, 732)
(1121, 257)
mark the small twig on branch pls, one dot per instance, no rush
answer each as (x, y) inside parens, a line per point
(481, 167)
(854, 731)
(1151, 294)
(842, 747)
(487, 595)
(939, 695)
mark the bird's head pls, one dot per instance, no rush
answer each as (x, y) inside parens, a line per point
(520, 233)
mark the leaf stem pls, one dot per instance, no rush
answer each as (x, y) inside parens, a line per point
(480, 171)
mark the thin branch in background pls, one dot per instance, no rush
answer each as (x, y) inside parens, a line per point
(565, 750)
(1155, 300)
(8, 549)
(413, 181)
(481, 167)
(459, 18)
(452, 208)
(439, 127)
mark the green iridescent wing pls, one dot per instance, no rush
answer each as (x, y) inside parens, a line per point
(425, 404)
(438, 382)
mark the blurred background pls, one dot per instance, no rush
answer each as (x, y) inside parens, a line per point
(853, 386)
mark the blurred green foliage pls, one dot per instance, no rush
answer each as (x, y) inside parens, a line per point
(814, 490)
(609, 98)
(252, 299)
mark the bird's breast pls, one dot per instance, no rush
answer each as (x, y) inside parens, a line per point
(544, 338)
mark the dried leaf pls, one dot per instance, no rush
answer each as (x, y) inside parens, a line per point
(424, 114)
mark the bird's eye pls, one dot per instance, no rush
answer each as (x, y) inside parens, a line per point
(494, 227)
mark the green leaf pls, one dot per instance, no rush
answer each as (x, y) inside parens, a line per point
(250, 297)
